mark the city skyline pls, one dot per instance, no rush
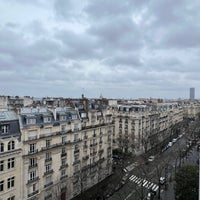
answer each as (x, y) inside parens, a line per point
(120, 49)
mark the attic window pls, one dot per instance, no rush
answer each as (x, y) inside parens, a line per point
(30, 121)
(47, 119)
(62, 118)
(5, 128)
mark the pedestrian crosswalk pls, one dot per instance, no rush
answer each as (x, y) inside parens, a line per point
(143, 182)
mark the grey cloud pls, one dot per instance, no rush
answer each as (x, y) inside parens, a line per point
(185, 37)
(70, 10)
(101, 9)
(77, 46)
(117, 34)
(128, 59)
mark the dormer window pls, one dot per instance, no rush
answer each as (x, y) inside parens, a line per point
(83, 115)
(30, 121)
(47, 119)
(62, 118)
(5, 128)
(74, 117)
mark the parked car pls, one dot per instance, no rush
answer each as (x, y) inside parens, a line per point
(162, 180)
(151, 158)
(124, 179)
(174, 140)
(170, 144)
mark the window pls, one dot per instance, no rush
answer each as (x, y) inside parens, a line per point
(74, 117)
(48, 180)
(1, 165)
(34, 187)
(63, 172)
(4, 128)
(76, 147)
(30, 121)
(32, 161)
(76, 137)
(64, 139)
(1, 147)
(48, 167)
(76, 127)
(32, 148)
(1, 185)
(11, 182)
(48, 143)
(11, 163)
(47, 119)
(63, 150)
(48, 155)
(11, 198)
(62, 118)
(11, 145)
(63, 162)
(76, 168)
(32, 175)
(63, 128)
(76, 157)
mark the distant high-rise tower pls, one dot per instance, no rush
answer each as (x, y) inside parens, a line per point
(192, 93)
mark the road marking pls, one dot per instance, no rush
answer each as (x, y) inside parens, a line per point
(156, 188)
(143, 182)
(129, 195)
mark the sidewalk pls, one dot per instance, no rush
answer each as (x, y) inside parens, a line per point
(168, 194)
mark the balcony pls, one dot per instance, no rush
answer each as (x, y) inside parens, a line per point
(76, 151)
(101, 151)
(48, 184)
(76, 172)
(32, 166)
(48, 159)
(32, 138)
(85, 157)
(48, 172)
(33, 180)
(77, 140)
(63, 166)
(63, 177)
(33, 152)
(33, 193)
(93, 153)
(63, 154)
(85, 146)
(76, 162)
(94, 144)
(85, 137)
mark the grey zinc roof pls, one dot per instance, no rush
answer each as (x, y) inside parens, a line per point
(8, 115)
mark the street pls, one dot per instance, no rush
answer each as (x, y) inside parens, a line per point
(144, 177)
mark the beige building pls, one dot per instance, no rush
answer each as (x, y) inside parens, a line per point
(10, 157)
(141, 128)
(65, 151)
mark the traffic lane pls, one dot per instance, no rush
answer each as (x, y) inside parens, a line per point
(129, 189)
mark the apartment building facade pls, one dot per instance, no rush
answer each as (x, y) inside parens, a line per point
(10, 156)
(141, 128)
(65, 151)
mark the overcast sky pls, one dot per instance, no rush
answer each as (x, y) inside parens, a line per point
(117, 48)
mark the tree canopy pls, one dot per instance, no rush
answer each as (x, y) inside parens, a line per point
(186, 183)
